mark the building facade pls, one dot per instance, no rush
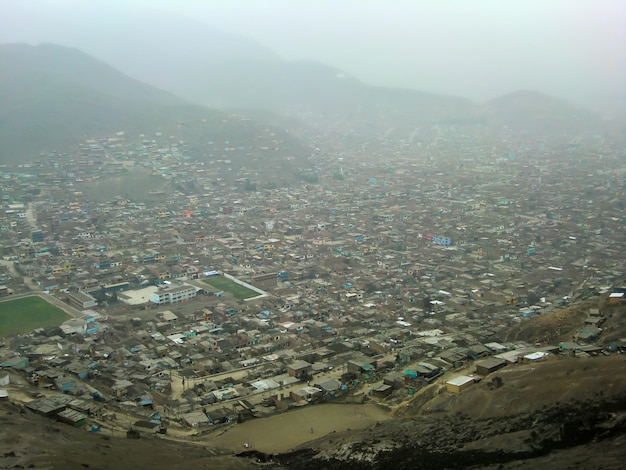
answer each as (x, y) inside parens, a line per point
(172, 295)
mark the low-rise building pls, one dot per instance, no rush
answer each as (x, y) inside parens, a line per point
(489, 365)
(172, 295)
(460, 383)
(82, 300)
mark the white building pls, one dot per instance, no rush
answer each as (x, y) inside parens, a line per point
(172, 295)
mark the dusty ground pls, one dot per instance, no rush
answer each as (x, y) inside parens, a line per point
(563, 324)
(530, 386)
(554, 326)
(31, 441)
(286, 431)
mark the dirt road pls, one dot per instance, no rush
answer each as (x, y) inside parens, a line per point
(27, 280)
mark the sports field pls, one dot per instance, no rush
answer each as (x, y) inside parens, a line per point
(25, 315)
(225, 284)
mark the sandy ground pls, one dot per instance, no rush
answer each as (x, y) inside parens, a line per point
(285, 431)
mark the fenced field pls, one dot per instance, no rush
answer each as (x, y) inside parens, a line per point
(23, 315)
(220, 283)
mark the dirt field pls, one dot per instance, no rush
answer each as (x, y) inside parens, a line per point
(283, 432)
(224, 284)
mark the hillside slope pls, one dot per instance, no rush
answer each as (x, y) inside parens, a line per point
(535, 113)
(565, 413)
(569, 413)
(230, 72)
(52, 97)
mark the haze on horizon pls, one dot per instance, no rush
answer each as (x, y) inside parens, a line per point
(480, 49)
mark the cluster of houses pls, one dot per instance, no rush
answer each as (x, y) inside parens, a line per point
(231, 364)
(390, 272)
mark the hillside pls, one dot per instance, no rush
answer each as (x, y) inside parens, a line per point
(52, 97)
(145, 43)
(563, 324)
(569, 413)
(312, 89)
(326, 98)
(565, 413)
(535, 113)
(192, 59)
(321, 97)
(227, 71)
(31, 441)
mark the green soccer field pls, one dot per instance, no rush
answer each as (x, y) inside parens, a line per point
(225, 284)
(27, 314)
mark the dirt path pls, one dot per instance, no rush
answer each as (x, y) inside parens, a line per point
(27, 281)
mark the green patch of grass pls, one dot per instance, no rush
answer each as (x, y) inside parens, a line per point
(27, 314)
(225, 284)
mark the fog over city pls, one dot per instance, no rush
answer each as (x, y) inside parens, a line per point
(572, 49)
(304, 234)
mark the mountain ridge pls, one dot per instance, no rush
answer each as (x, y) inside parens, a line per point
(53, 97)
(163, 48)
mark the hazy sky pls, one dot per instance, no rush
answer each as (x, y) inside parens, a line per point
(475, 48)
